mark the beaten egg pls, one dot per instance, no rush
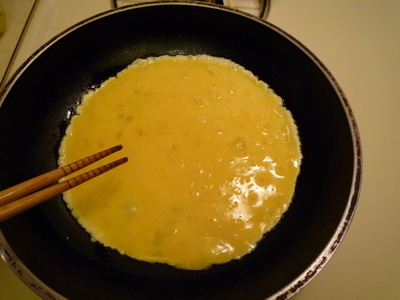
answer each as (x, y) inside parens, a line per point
(213, 161)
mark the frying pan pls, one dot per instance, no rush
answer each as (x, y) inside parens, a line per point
(56, 254)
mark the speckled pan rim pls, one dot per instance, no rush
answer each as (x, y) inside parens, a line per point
(296, 285)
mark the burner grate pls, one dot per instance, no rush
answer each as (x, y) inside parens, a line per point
(259, 8)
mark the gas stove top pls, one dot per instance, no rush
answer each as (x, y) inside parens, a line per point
(358, 41)
(40, 20)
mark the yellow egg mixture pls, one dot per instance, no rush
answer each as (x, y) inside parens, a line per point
(213, 161)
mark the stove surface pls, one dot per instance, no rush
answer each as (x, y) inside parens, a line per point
(358, 41)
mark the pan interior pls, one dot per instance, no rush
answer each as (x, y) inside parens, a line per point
(38, 104)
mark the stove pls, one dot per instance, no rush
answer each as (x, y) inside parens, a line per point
(358, 41)
(40, 20)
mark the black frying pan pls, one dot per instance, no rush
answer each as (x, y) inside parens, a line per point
(42, 95)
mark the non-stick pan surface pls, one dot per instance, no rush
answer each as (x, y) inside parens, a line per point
(39, 101)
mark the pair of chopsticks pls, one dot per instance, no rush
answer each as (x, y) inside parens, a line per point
(21, 197)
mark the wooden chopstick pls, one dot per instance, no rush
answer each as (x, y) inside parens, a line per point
(12, 200)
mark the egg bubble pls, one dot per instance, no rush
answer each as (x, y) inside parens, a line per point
(238, 144)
